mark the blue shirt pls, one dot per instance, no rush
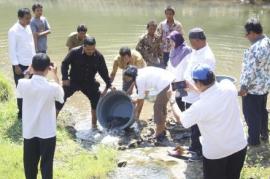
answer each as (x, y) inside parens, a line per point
(255, 76)
(37, 26)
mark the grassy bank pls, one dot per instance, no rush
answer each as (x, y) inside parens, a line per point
(71, 159)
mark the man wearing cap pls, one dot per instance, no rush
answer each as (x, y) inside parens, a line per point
(201, 54)
(165, 28)
(76, 39)
(126, 57)
(217, 115)
(155, 80)
(84, 62)
(255, 82)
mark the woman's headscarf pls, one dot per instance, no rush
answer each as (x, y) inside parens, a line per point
(178, 53)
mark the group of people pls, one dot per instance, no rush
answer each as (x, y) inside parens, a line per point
(162, 63)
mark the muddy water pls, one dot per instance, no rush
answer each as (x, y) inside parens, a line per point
(116, 23)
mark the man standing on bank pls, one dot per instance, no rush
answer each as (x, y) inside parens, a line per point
(39, 118)
(149, 46)
(218, 117)
(40, 28)
(255, 82)
(201, 54)
(21, 48)
(85, 62)
(165, 28)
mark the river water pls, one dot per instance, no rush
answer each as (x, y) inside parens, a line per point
(117, 23)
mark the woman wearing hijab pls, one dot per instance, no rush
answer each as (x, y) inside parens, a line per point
(177, 64)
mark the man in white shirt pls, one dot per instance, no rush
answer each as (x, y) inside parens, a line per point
(155, 80)
(217, 115)
(39, 117)
(21, 48)
(201, 54)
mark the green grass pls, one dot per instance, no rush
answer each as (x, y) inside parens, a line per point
(5, 89)
(72, 160)
(257, 163)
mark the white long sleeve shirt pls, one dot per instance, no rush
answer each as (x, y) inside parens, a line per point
(21, 48)
(201, 56)
(217, 114)
(39, 115)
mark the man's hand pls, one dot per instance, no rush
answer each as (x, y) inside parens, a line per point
(112, 77)
(106, 90)
(130, 89)
(191, 87)
(28, 71)
(53, 69)
(66, 82)
(18, 70)
(242, 92)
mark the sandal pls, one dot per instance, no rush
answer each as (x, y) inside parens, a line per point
(178, 152)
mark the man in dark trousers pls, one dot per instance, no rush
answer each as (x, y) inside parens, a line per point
(21, 48)
(255, 82)
(85, 62)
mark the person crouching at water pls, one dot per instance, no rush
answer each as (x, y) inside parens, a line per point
(217, 115)
(158, 80)
(85, 62)
(125, 58)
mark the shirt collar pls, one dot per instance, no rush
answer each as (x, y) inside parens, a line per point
(148, 36)
(166, 22)
(94, 54)
(201, 50)
(258, 39)
(20, 26)
(39, 77)
(209, 91)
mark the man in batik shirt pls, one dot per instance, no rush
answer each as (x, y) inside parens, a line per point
(255, 82)
(149, 46)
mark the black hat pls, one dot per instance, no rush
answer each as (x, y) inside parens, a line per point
(197, 33)
(131, 71)
(89, 41)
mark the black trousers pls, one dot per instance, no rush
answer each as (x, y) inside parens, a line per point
(166, 56)
(35, 149)
(195, 137)
(225, 168)
(256, 116)
(16, 79)
(181, 104)
(91, 90)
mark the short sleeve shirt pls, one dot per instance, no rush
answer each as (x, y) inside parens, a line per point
(37, 26)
